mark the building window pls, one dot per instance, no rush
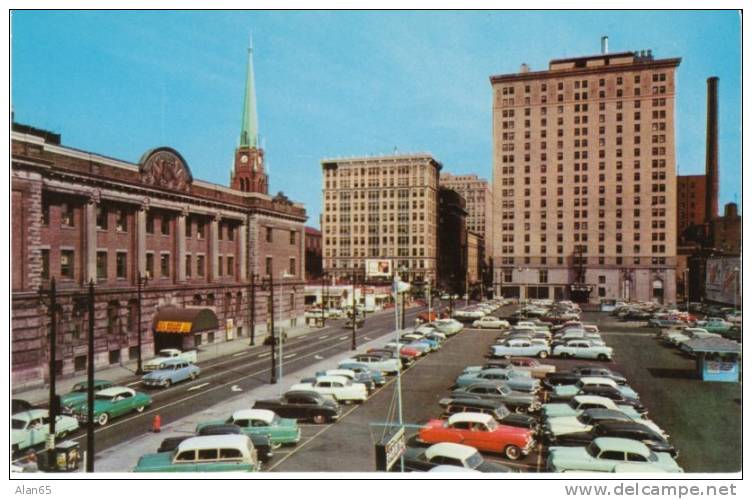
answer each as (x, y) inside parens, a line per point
(268, 234)
(292, 237)
(200, 263)
(165, 225)
(220, 268)
(45, 264)
(114, 356)
(230, 233)
(200, 228)
(150, 265)
(188, 227)
(188, 262)
(292, 266)
(121, 261)
(150, 223)
(45, 212)
(230, 266)
(101, 217)
(121, 224)
(66, 264)
(66, 214)
(269, 266)
(543, 276)
(164, 265)
(101, 265)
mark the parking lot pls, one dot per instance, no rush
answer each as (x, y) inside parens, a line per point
(703, 419)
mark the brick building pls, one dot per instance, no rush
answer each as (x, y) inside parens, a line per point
(453, 242)
(478, 204)
(727, 231)
(690, 209)
(79, 216)
(313, 268)
(584, 179)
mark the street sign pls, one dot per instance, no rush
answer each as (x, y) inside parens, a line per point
(390, 449)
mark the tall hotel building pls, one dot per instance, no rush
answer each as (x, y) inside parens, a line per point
(584, 179)
(478, 203)
(381, 208)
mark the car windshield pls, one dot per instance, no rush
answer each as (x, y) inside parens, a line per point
(593, 449)
(574, 403)
(503, 389)
(584, 418)
(502, 412)
(18, 424)
(79, 387)
(653, 457)
(474, 460)
(492, 425)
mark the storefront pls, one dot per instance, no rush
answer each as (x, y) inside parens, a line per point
(184, 328)
(717, 358)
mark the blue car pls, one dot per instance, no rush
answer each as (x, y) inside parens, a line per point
(170, 372)
(516, 380)
(365, 371)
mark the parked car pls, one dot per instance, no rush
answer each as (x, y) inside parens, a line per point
(376, 362)
(79, 393)
(480, 431)
(519, 402)
(360, 321)
(363, 372)
(261, 443)
(306, 405)
(715, 325)
(406, 355)
(591, 417)
(520, 348)
(452, 454)
(569, 391)
(581, 402)
(217, 453)
(111, 403)
(604, 453)
(448, 326)
(495, 408)
(261, 422)
(166, 354)
(583, 349)
(516, 380)
(426, 317)
(340, 387)
(171, 371)
(620, 429)
(31, 428)
(573, 376)
(365, 378)
(533, 366)
(490, 322)
(18, 405)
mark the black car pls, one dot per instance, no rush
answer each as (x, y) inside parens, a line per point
(415, 459)
(573, 376)
(636, 315)
(391, 354)
(608, 392)
(268, 340)
(519, 402)
(260, 442)
(18, 405)
(632, 430)
(495, 408)
(303, 404)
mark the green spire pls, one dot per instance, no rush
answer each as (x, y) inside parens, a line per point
(249, 125)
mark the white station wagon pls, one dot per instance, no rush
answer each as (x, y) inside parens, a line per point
(491, 322)
(583, 349)
(341, 388)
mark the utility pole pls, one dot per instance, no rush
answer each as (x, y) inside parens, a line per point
(142, 280)
(430, 299)
(53, 406)
(252, 309)
(90, 381)
(354, 313)
(323, 299)
(273, 380)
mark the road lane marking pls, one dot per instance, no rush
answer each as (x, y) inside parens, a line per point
(323, 337)
(238, 354)
(318, 357)
(265, 354)
(197, 387)
(236, 388)
(134, 383)
(342, 338)
(290, 355)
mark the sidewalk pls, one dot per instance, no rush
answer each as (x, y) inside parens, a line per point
(39, 394)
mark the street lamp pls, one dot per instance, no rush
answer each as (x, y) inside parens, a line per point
(273, 379)
(324, 275)
(52, 306)
(354, 313)
(686, 286)
(141, 281)
(736, 285)
(252, 309)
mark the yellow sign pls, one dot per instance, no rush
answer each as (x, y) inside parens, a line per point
(173, 327)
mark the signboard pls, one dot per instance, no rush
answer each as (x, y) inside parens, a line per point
(173, 327)
(378, 268)
(722, 280)
(229, 329)
(390, 449)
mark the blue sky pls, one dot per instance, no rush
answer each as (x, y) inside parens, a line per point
(333, 84)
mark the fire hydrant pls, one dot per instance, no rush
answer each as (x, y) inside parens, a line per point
(156, 424)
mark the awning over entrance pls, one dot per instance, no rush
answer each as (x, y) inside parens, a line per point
(185, 320)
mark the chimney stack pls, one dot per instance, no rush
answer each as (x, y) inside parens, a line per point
(711, 153)
(604, 45)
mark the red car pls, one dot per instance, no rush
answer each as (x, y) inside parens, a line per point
(426, 317)
(480, 431)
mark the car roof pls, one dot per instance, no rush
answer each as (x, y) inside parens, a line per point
(214, 441)
(600, 413)
(472, 417)
(339, 379)
(347, 373)
(307, 393)
(622, 445)
(115, 390)
(597, 379)
(593, 399)
(31, 414)
(625, 425)
(457, 451)
(484, 403)
(262, 414)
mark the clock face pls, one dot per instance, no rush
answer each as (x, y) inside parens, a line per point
(244, 158)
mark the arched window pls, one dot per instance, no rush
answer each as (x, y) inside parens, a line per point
(197, 299)
(210, 299)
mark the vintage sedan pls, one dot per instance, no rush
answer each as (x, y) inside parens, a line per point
(581, 402)
(569, 391)
(588, 418)
(448, 326)
(365, 378)
(495, 408)
(217, 453)
(619, 429)
(480, 431)
(306, 405)
(576, 373)
(491, 322)
(261, 422)
(31, 428)
(261, 443)
(171, 371)
(376, 362)
(20, 405)
(113, 402)
(605, 453)
(517, 401)
(516, 380)
(533, 366)
(79, 392)
(363, 372)
(583, 349)
(339, 387)
(520, 348)
(447, 453)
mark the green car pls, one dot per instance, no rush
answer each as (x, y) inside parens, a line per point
(262, 422)
(111, 403)
(217, 453)
(78, 394)
(605, 454)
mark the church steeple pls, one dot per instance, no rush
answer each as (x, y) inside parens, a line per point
(249, 173)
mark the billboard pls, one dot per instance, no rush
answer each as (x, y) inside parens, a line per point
(378, 268)
(721, 280)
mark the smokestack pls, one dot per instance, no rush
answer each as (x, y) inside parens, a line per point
(711, 153)
(604, 45)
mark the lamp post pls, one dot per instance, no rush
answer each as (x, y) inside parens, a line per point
(323, 299)
(252, 309)
(52, 308)
(90, 381)
(273, 336)
(686, 286)
(736, 285)
(141, 281)
(354, 313)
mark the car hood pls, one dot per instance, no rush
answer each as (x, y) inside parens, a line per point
(152, 461)
(553, 410)
(491, 467)
(521, 420)
(576, 458)
(566, 424)
(156, 375)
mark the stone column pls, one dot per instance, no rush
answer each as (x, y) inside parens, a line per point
(214, 248)
(180, 253)
(90, 239)
(141, 240)
(243, 250)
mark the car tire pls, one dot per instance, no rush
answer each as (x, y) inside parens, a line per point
(103, 419)
(542, 354)
(520, 410)
(140, 408)
(320, 418)
(194, 376)
(603, 356)
(275, 446)
(61, 436)
(167, 383)
(512, 452)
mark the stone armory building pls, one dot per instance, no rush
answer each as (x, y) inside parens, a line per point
(199, 249)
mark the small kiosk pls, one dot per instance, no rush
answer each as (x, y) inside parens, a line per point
(718, 359)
